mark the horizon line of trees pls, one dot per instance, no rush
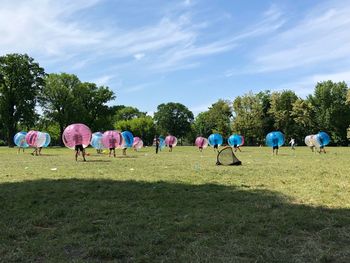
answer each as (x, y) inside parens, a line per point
(64, 99)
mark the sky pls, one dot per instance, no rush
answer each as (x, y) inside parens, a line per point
(189, 51)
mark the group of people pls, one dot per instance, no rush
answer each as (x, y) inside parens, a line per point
(80, 150)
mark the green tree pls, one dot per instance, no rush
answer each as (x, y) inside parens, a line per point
(332, 112)
(220, 117)
(173, 118)
(142, 127)
(57, 99)
(281, 109)
(303, 115)
(249, 118)
(21, 82)
(66, 100)
(128, 113)
(203, 125)
(91, 103)
(267, 120)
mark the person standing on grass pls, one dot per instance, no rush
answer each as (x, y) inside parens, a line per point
(21, 145)
(112, 142)
(236, 147)
(78, 141)
(292, 143)
(37, 151)
(275, 145)
(216, 147)
(322, 148)
(156, 141)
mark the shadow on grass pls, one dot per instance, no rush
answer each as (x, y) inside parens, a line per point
(101, 220)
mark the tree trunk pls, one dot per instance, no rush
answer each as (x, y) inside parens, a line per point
(11, 131)
(61, 135)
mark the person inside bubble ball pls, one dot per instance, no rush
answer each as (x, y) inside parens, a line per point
(124, 150)
(275, 145)
(37, 151)
(322, 148)
(236, 147)
(21, 145)
(200, 148)
(78, 141)
(112, 142)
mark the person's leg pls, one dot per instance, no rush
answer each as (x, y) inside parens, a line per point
(83, 153)
(76, 154)
(157, 149)
(114, 152)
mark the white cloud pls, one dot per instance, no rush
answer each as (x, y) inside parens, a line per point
(103, 81)
(321, 37)
(50, 31)
(305, 86)
(139, 56)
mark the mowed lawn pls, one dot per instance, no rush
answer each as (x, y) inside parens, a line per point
(175, 207)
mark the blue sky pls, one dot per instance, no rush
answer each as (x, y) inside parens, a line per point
(189, 51)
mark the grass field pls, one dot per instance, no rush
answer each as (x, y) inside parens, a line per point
(175, 207)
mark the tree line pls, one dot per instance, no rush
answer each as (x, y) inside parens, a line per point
(32, 99)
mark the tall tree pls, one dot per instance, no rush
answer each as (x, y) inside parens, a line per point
(92, 101)
(58, 101)
(267, 120)
(303, 115)
(249, 118)
(220, 117)
(142, 127)
(203, 125)
(281, 109)
(21, 82)
(66, 100)
(332, 112)
(173, 118)
(128, 113)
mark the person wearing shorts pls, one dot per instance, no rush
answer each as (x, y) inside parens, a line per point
(112, 142)
(79, 148)
(275, 146)
(216, 147)
(236, 147)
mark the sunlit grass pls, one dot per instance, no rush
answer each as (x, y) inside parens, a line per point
(177, 207)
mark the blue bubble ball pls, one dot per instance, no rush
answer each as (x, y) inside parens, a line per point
(128, 139)
(275, 138)
(96, 141)
(235, 139)
(215, 139)
(323, 138)
(47, 140)
(20, 140)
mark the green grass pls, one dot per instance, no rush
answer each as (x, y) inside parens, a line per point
(175, 207)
